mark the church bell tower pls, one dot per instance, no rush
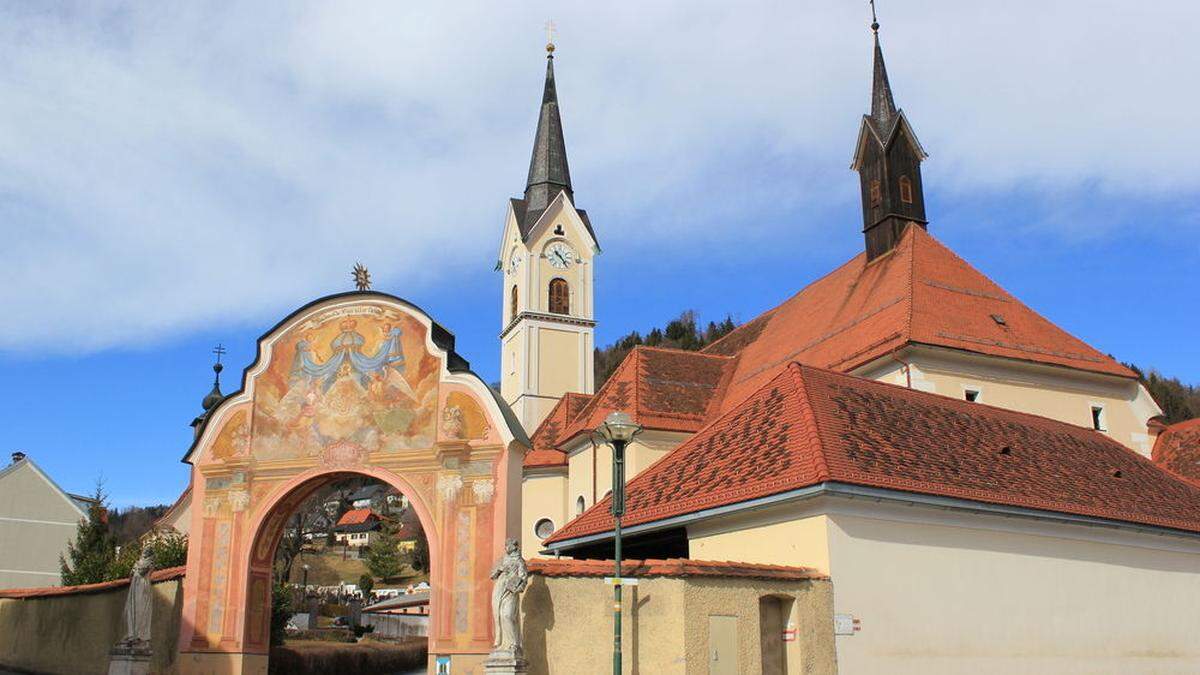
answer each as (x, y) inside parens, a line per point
(888, 160)
(545, 258)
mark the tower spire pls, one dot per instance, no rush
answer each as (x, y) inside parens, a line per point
(883, 105)
(888, 160)
(548, 170)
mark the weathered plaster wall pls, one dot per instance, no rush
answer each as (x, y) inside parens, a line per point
(568, 624)
(71, 634)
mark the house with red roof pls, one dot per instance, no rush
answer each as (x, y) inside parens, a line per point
(976, 481)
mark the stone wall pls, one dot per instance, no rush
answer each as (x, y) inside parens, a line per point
(69, 630)
(567, 617)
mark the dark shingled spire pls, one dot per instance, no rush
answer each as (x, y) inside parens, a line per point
(883, 106)
(548, 171)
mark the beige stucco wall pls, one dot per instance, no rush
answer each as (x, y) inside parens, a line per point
(36, 524)
(643, 451)
(1058, 393)
(543, 495)
(568, 624)
(950, 591)
(72, 634)
(783, 537)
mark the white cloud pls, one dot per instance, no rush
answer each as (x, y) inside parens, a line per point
(164, 167)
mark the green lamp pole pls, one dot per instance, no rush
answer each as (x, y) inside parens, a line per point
(617, 430)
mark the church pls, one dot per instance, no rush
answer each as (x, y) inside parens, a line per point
(976, 481)
(980, 490)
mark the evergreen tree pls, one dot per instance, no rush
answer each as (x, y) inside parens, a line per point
(418, 557)
(682, 332)
(383, 554)
(90, 557)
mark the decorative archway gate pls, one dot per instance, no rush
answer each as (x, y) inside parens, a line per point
(358, 383)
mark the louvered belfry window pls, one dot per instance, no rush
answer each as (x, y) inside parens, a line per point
(512, 314)
(906, 191)
(560, 297)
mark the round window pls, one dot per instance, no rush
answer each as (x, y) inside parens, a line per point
(543, 528)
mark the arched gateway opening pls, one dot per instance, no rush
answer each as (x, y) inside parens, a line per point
(357, 384)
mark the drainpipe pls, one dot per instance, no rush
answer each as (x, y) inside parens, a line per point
(904, 365)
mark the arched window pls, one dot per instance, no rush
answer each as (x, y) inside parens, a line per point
(579, 505)
(560, 297)
(906, 190)
(512, 314)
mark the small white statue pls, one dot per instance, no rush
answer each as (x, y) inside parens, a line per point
(511, 577)
(138, 603)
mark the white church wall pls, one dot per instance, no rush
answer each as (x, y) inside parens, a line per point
(942, 592)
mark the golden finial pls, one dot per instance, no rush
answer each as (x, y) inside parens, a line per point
(550, 37)
(362, 278)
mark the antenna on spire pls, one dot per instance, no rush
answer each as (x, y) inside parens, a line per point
(550, 38)
(874, 19)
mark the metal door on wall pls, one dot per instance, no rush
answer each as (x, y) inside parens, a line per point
(722, 645)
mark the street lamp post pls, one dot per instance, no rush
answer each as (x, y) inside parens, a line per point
(617, 430)
(305, 567)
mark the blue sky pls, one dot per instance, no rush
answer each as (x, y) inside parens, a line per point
(171, 178)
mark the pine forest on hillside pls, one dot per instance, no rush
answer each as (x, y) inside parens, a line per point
(1178, 401)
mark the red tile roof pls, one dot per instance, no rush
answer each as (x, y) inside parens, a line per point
(920, 293)
(1177, 449)
(545, 440)
(666, 389)
(356, 517)
(808, 426)
(165, 574)
(672, 567)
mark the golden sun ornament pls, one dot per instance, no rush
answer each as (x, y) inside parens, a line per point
(362, 278)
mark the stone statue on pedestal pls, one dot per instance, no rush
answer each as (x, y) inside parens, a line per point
(510, 577)
(131, 655)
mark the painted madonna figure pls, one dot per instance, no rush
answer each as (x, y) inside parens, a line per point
(510, 579)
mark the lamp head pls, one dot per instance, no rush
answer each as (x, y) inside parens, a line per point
(618, 426)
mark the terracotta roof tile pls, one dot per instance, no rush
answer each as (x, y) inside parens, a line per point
(809, 425)
(672, 567)
(545, 452)
(355, 517)
(165, 574)
(665, 389)
(1177, 449)
(921, 293)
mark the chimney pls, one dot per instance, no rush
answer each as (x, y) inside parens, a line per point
(17, 456)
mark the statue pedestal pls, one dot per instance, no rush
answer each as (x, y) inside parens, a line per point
(506, 663)
(129, 659)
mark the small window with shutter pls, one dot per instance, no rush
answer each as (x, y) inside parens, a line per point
(876, 194)
(906, 195)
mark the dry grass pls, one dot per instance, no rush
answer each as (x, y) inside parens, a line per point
(319, 658)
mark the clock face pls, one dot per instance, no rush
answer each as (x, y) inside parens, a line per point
(514, 261)
(560, 255)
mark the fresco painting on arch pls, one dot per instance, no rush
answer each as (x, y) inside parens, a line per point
(355, 384)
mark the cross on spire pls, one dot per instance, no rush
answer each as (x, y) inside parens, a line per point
(550, 27)
(219, 350)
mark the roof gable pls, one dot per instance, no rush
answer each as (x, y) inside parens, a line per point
(76, 503)
(808, 426)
